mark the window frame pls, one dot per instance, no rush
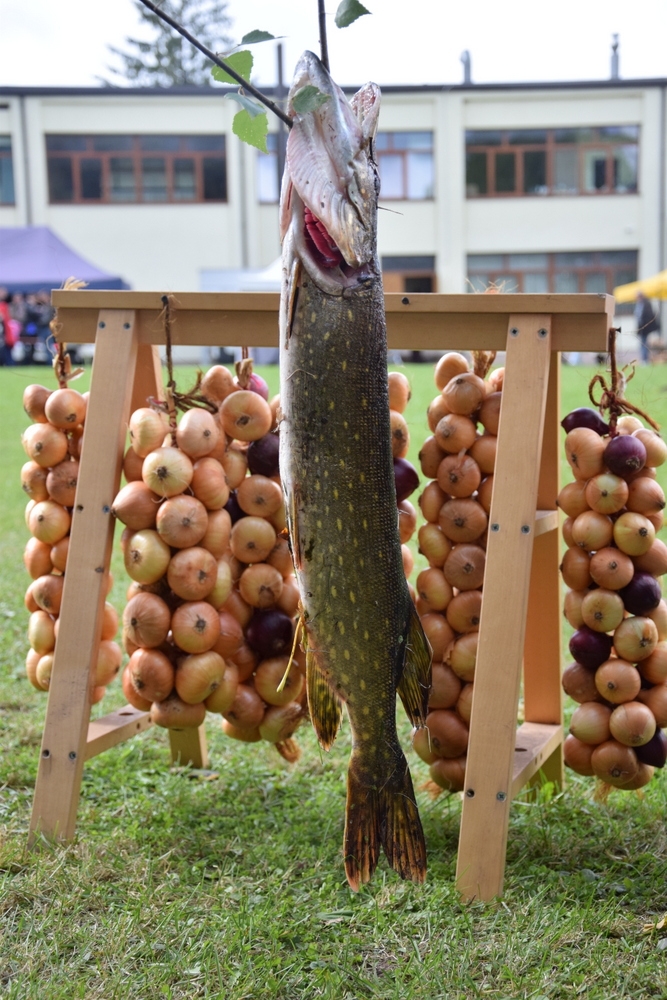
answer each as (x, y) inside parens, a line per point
(597, 141)
(136, 154)
(7, 153)
(403, 153)
(599, 263)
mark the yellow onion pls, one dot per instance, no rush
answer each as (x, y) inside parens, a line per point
(407, 520)
(31, 661)
(181, 521)
(195, 627)
(132, 466)
(222, 586)
(655, 698)
(654, 667)
(281, 721)
(659, 617)
(449, 365)
(259, 496)
(462, 656)
(483, 451)
(449, 773)
(146, 556)
(37, 558)
(489, 414)
(109, 658)
(445, 686)
(439, 634)
(61, 482)
(606, 493)
(590, 723)
(173, 713)
(617, 681)
(47, 592)
(464, 703)
(252, 539)
(167, 471)
(455, 432)
(44, 444)
(632, 724)
(43, 671)
(260, 585)
(244, 735)
(434, 589)
(430, 457)
(33, 481)
(136, 506)
(656, 449)
(645, 496)
(575, 569)
(222, 698)
(65, 408)
(147, 430)
(592, 531)
(131, 693)
(611, 568)
(485, 493)
(218, 532)
(431, 502)
(245, 415)
(49, 521)
(437, 409)
(602, 610)
(399, 391)
(235, 463)
(421, 744)
(151, 674)
(433, 544)
(449, 734)
(247, 709)
(572, 607)
(633, 534)
(34, 402)
(146, 620)
(577, 755)
(464, 393)
(41, 633)
(579, 683)
(400, 435)
(459, 475)
(192, 573)
(628, 424)
(636, 638)
(572, 499)
(584, 449)
(197, 434)
(268, 677)
(614, 763)
(209, 483)
(462, 520)
(217, 384)
(198, 676)
(654, 561)
(464, 567)
(463, 611)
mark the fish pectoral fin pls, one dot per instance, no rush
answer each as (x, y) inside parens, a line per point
(415, 683)
(387, 817)
(324, 705)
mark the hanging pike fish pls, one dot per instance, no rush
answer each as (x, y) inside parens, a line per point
(364, 638)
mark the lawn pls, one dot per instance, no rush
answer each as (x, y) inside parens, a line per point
(231, 885)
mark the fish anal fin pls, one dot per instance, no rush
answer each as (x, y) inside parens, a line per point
(324, 705)
(415, 683)
(384, 817)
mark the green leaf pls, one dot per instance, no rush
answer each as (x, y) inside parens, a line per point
(253, 37)
(251, 130)
(308, 99)
(253, 108)
(348, 12)
(239, 61)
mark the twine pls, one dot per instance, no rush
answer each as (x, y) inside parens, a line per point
(612, 398)
(176, 400)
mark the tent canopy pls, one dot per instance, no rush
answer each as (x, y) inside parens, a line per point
(34, 258)
(653, 288)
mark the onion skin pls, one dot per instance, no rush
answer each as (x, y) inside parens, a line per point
(654, 561)
(654, 752)
(146, 620)
(617, 681)
(579, 684)
(635, 639)
(624, 455)
(634, 534)
(450, 364)
(422, 746)
(34, 402)
(656, 699)
(136, 506)
(445, 687)
(590, 723)
(449, 773)
(614, 763)
(632, 724)
(583, 416)
(198, 676)
(151, 674)
(572, 499)
(584, 450)
(654, 667)
(602, 610)
(439, 634)
(247, 709)
(172, 713)
(612, 569)
(449, 734)
(590, 648)
(577, 756)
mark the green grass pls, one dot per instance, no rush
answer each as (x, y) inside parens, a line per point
(234, 887)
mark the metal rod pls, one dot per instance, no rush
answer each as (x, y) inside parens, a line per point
(218, 61)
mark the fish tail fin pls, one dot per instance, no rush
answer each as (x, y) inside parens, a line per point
(384, 817)
(415, 684)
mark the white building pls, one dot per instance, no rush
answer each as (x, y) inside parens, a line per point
(539, 187)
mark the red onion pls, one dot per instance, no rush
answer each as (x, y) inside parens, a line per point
(233, 508)
(406, 479)
(624, 455)
(584, 417)
(270, 633)
(642, 594)
(655, 751)
(263, 456)
(590, 648)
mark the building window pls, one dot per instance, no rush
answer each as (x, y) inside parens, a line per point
(408, 274)
(405, 162)
(125, 169)
(596, 271)
(519, 162)
(6, 171)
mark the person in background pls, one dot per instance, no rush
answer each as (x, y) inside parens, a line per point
(647, 322)
(6, 330)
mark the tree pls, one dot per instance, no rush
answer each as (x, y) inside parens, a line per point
(168, 60)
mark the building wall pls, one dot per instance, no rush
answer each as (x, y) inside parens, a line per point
(166, 247)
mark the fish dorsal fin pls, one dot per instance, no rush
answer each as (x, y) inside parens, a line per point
(415, 684)
(324, 705)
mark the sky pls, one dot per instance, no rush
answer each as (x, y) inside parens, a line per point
(65, 42)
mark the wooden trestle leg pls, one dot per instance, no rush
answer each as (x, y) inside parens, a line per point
(490, 772)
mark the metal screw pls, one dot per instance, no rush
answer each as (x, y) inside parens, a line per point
(495, 527)
(470, 793)
(542, 333)
(501, 796)
(106, 509)
(102, 325)
(99, 569)
(514, 332)
(405, 300)
(79, 506)
(525, 529)
(126, 326)
(46, 753)
(72, 755)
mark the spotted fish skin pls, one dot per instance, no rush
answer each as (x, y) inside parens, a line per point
(364, 640)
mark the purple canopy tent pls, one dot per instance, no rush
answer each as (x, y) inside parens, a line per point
(34, 258)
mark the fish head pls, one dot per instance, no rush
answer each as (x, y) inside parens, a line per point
(331, 183)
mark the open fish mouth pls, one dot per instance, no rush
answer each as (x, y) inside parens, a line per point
(331, 184)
